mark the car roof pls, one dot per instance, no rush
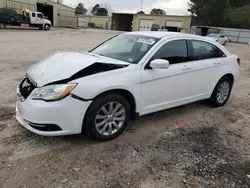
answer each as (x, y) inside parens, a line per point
(161, 34)
(216, 35)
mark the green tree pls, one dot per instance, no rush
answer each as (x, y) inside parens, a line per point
(214, 12)
(102, 12)
(80, 9)
(140, 12)
(155, 11)
(59, 1)
(208, 12)
(238, 17)
(95, 9)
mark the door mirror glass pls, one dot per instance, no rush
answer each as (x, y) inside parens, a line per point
(159, 64)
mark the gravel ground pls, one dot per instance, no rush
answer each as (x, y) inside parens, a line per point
(210, 149)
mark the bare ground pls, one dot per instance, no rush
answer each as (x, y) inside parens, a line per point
(210, 149)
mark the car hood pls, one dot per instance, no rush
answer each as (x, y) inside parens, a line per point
(63, 65)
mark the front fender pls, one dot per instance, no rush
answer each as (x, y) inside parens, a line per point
(89, 88)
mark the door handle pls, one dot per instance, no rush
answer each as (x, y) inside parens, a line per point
(217, 62)
(186, 67)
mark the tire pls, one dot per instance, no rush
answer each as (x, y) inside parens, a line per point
(47, 27)
(225, 43)
(90, 124)
(2, 25)
(217, 101)
(12, 19)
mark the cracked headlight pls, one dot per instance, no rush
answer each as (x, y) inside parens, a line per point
(52, 92)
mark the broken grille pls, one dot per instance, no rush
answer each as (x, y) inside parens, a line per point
(26, 87)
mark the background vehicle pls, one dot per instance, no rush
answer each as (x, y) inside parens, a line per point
(222, 39)
(28, 18)
(132, 74)
(8, 15)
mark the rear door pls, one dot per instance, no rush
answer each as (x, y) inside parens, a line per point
(222, 39)
(33, 18)
(5, 15)
(207, 62)
(1, 15)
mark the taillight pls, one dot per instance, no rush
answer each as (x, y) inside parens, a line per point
(238, 61)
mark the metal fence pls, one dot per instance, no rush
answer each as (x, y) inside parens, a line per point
(237, 35)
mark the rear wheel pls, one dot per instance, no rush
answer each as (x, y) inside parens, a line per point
(107, 117)
(12, 19)
(2, 25)
(47, 27)
(221, 92)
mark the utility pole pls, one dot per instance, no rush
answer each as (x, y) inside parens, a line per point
(227, 4)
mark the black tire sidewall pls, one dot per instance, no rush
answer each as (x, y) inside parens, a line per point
(89, 122)
(12, 19)
(45, 27)
(2, 25)
(213, 99)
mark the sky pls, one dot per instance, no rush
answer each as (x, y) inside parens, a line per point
(172, 7)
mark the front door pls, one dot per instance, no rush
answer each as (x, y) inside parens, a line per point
(36, 18)
(39, 18)
(166, 88)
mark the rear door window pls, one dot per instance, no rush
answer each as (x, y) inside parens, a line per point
(6, 11)
(203, 50)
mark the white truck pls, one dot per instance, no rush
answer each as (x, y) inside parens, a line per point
(28, 18)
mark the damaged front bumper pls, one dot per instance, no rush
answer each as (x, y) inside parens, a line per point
(57, 118)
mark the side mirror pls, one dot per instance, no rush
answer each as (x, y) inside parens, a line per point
(159, 64)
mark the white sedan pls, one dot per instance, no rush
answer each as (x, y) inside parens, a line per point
(222, 39)
(129, 75)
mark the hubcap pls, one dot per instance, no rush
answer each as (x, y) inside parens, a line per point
(110, 118)
(1, 25)
(223, 92)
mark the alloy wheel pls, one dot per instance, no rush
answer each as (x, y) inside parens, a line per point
(110, 118)
(223, 92)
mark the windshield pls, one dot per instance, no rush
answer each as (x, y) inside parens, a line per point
(129, 48)
(213, 36)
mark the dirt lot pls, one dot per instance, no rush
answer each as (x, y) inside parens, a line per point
(210, 149)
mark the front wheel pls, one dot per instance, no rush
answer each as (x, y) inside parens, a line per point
(47, 27)
(2, 25)
(107, 117)
(12, 19)
(221, 92)
(225, 43)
